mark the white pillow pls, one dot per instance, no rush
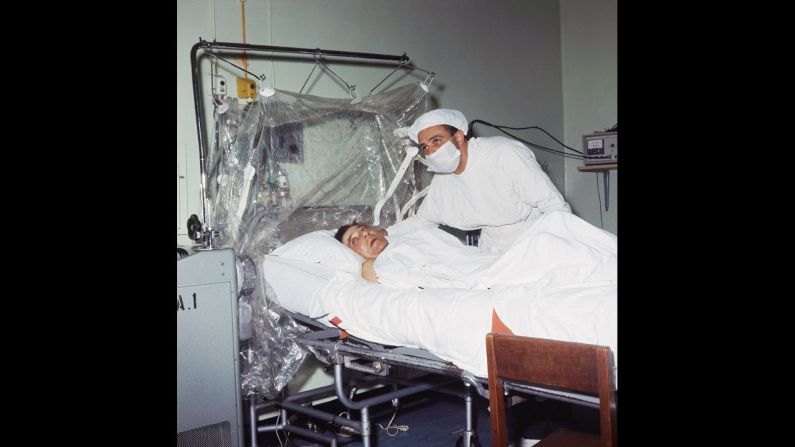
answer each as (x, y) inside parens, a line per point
(322, 248)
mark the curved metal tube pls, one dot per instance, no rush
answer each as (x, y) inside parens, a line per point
(376, 399)
(197, 105)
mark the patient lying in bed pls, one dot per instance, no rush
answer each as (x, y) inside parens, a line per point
(560, 248)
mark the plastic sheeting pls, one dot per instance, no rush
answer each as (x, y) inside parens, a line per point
(285, 165)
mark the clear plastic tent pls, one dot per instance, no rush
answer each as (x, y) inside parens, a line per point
(282, 166)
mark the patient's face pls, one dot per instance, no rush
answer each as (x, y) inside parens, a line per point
(368, 241)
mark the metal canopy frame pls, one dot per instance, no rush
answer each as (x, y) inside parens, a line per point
(234, 46)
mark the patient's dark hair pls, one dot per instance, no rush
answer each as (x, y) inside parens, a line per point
(343, 229)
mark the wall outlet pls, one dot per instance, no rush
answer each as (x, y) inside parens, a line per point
(219, 85)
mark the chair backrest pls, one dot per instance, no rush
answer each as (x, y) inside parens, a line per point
(577, 367)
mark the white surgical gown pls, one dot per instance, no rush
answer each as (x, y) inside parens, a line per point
(502, 191)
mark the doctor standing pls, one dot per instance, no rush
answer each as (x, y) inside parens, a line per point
(493, 184)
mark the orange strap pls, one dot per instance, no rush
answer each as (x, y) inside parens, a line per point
(336, 322)
(243, 18)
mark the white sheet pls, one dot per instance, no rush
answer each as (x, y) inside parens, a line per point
(558, 248)
(451, 323)
(557, 282)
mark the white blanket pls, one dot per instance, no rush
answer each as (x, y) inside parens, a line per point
(453, 323)
(557, 282)
(559, 248)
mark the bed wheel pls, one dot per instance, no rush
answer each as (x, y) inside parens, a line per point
(473, 442)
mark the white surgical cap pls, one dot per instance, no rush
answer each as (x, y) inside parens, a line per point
(434, 118)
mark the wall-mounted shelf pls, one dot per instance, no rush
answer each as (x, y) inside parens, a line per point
(604, 168)
(598, 168)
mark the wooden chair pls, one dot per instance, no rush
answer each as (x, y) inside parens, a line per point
(578, 367)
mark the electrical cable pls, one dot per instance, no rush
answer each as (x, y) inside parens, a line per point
(543, 148)
(389, 426)
(499, 127)
(537, 146)
(276, 430)
(599, 196)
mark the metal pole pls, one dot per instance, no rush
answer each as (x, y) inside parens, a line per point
(365, 427)
(607, 188)
(322, 415)
(377, 399)
(311, 435)
(469, 432)
(252, 412)
(314, 51)
(311, 394)
(197, 104)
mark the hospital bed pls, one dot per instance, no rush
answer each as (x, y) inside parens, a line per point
(377, 330)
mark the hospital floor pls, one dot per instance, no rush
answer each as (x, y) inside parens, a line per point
(435, 419)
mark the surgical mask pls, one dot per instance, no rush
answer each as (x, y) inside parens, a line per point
(445, 159)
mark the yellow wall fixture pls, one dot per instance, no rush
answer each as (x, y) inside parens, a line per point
(246, 88)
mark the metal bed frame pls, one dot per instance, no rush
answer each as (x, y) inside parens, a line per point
(334, 346)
